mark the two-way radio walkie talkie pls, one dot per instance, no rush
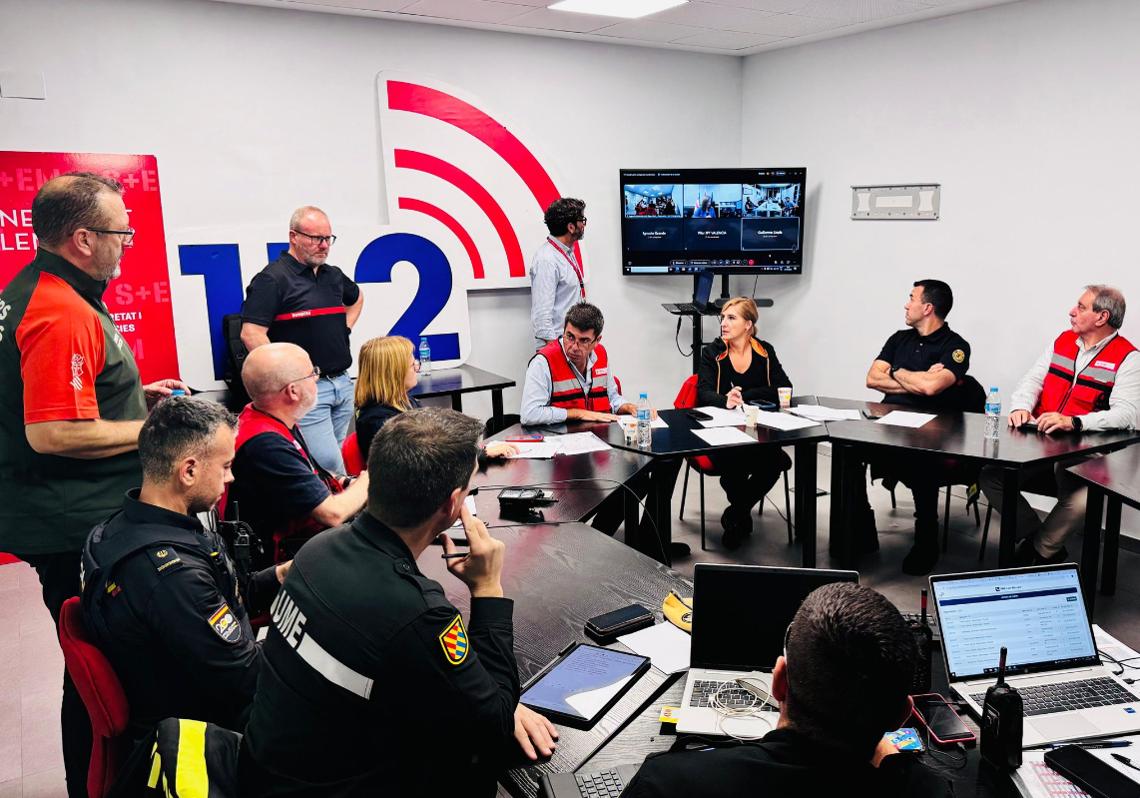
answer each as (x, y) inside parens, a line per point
(1002, 718)
(924, 641)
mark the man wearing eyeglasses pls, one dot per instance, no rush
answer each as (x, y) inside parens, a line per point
(279, 488)
(72, 404)
(299, 298)
(556, 277)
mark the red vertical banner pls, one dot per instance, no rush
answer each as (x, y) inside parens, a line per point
(139, 299)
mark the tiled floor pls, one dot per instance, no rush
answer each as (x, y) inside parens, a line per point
(31, 665)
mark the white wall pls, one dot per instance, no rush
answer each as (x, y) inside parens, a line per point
(1025, 113)
(253, 111)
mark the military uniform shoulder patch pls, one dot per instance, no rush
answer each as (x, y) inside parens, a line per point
(225, 624)
(164, 558)
(454, 641)
(959, 355)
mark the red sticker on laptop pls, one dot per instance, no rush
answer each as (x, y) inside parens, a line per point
(454, 641)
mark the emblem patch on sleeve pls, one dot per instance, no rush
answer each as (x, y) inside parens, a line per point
(454, 641)
(226, 624)
(959, 355)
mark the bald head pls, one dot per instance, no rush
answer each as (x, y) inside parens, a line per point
(272, 367)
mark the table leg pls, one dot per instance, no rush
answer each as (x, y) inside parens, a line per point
(1111, 547)
(806, 459)
(839, 453)
(658, 503)
(457, 402)
(497, 406)
(1090, 550)
(1010, 496)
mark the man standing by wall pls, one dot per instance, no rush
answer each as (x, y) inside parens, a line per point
(556, 276)
(301, 299)
(72, 404)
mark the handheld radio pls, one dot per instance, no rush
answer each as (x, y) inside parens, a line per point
(1002, 717)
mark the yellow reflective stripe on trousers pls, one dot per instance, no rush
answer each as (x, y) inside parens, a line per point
(155, 768)
(190, 777)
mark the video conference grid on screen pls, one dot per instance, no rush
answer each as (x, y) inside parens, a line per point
(678, 221)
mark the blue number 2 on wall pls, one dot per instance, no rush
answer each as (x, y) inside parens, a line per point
(220, 267)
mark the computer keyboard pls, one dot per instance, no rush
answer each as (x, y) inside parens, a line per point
(731, 694)
(604, 784)
(1044, 699)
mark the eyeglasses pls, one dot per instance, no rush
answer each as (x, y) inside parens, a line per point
(318, 240)
(572, 339)
(315, 374)
(582, 220)
(128, 234)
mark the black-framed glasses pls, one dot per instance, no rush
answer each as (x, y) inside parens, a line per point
(582, 220)
(315, 374)
(128, 234)
(573, 339)
(318, 240)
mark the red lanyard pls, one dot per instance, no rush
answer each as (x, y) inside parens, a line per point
(573, 265)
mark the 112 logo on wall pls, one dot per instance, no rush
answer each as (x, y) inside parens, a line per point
(464, 197)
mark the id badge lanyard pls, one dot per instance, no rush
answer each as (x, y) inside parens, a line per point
(573, 265)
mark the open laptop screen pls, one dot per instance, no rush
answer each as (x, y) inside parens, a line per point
(740, 612)
(1037, 613)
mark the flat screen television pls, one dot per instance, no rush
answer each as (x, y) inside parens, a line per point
(730, 221)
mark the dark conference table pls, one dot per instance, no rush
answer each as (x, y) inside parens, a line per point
(957, 435)
(678, 440)
(559, 575)
(460, 380)
(1115, 477)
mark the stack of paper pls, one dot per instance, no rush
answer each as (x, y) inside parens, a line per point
(723, 436)
(783, 421)
(905, 418)
(581, 443)
(821, 413)
(666, 646)
(722, 417)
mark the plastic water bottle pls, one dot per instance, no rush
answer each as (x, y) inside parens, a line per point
(425, 356)
(644, 422)
(993, 414)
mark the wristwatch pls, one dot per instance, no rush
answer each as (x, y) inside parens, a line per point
(1078, 425)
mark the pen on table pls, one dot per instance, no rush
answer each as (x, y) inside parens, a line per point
(1092, 744)
(677, 596)
(454, 555)
(1125, 761)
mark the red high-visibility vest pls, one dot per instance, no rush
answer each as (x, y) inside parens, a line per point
(565, 390)
(1093, 385)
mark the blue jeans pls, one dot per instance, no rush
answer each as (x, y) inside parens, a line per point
(326, 425)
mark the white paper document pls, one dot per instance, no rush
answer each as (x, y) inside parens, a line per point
(905, 418)
(722, 417)
(666, 646)
(821, 413)
(723, 436)
(580, 443)
(783, 421)
(537, 450)
(469, 503)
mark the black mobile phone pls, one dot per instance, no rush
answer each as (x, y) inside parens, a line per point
(763, 404)
(1093, 775)
(698, 415)
(607, 626)
(940, 719)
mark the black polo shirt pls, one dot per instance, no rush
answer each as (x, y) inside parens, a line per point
(908, 350)
(303, 307)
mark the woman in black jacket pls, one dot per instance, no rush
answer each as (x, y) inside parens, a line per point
(736, 369)
(388, 370)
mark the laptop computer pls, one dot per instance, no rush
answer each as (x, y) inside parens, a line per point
(1039, 615)
(701, 292)
(741, 613)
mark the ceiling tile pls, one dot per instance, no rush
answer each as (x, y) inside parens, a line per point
(742, 20)
(853, 12)
(355, 5)
(775, 6)
(648, 30)
(726, 40)
(466, 10)
(561, 20)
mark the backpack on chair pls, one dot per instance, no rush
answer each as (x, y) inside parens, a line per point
(236, 354)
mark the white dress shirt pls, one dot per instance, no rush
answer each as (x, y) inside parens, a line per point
(536, 408)
(554, 289)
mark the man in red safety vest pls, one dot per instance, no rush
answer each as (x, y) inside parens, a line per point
(1086, 381)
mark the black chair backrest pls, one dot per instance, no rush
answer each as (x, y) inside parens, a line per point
(971, 396)
(235, 356)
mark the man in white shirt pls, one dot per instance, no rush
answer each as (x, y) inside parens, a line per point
(1088, 380)
(556, 277)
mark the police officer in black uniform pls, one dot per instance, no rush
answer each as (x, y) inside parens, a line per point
(924, 369)
(373, 683)
(161, 596)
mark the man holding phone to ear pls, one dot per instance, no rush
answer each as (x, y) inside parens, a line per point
(372, 681)
(842, 684)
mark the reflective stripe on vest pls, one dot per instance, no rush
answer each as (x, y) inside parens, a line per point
(566, 390)
(1073, 394)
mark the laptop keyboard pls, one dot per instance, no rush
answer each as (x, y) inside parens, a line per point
(604, 784)
(1047, 698)
(733, 696)
(687, 307)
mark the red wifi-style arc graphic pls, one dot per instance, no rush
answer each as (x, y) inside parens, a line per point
(422, 162)
(417, 99)
(450, 222)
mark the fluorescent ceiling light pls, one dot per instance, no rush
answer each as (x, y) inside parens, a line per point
(627, 9)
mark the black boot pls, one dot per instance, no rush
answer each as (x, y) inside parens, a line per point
(924, 556)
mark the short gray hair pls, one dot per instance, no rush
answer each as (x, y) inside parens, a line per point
(179, 427)
(301, 213)
(1109, 299)
(417, 459)
(68, 203)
